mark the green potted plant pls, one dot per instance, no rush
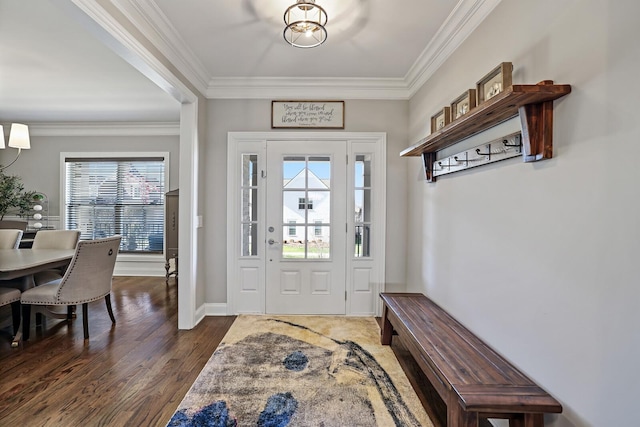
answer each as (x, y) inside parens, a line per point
(13, 197)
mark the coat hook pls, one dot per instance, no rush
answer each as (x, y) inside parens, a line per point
(465, 161)
(506, 144)
(482, 154)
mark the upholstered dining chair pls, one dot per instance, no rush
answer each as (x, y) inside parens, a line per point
(12, 296)
(53, 239)
(10, 239)
(88, 278)
(56, 239)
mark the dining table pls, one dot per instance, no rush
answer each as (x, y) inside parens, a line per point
(24, 263)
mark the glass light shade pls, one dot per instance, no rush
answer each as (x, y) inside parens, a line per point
(19, 136)
(37, 216)
(37, 207)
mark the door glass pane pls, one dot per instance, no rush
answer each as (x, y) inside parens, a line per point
(249, 240)
(293, 171)
(249, 170)
(249, 205)
(293, 241)
(319, 246)
(362, 241)
(319, 206)
(362, 203)
(306, 210)
(249, 208)
(319, 172)
(363, 170)
(363, 206)
(294, 206)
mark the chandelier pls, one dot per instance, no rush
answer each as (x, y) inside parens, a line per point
(305, 24)
(18, 138)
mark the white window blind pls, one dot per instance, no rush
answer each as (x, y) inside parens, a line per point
(107, 196)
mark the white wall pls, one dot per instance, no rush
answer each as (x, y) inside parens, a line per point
(255, 115)
(540, 259)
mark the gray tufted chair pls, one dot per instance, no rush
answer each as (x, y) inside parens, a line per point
(53, 239)
(87, 279)
(56, 239)
(12, 296)
(10, 239)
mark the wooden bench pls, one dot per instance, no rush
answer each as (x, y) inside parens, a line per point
(473, 380)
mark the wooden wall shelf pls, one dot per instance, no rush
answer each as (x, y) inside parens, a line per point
(534, 104)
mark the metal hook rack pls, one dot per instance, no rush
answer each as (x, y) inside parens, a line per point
(494, 151)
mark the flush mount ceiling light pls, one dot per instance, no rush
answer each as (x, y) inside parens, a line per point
(305, 24)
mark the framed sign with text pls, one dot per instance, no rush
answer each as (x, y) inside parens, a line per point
(307, 114)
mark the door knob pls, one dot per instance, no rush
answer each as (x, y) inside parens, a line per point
(272, 242)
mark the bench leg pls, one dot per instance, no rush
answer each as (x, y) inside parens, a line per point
(387, 329)
(457, 417)
(527, 420)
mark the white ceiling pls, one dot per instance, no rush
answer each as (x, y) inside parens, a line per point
(366, 38)
(54, 70)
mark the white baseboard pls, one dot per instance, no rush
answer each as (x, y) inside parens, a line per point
(200, 314)
(210, 309)
(216, 309)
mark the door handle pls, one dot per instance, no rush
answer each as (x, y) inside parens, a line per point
(272, 242)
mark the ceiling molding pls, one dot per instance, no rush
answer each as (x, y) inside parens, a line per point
(298, 87)
(105, 129)
(154, 25)
(462, 21)
(111, 32)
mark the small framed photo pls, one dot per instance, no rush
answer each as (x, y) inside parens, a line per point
(441, 119)
(463, 104)
(495, 82)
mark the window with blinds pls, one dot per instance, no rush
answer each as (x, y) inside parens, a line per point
(107, 196)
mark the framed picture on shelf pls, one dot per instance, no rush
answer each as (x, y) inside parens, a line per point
(495, 82)
(440, 119)
(463, 104)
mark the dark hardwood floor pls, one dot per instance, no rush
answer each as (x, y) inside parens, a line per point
(132, 374)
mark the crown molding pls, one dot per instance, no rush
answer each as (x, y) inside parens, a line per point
(459, 25)
(149, 19)
(111, 32)
(463, 20)
(154, 25)
(105, 129)
(297, 87)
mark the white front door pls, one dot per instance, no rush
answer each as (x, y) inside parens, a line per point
(305, 222)
(305, 229)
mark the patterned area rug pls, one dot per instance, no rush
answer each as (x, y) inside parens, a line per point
(277, 371)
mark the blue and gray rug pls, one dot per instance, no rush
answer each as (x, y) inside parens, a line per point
(301, 371)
